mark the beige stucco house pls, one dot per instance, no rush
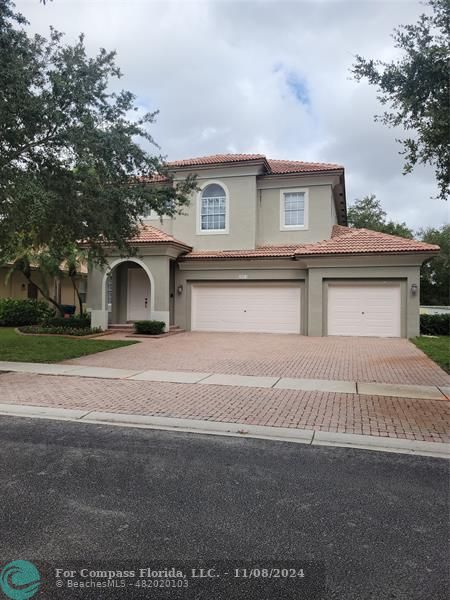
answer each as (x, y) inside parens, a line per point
(263, 247)
(15, 285)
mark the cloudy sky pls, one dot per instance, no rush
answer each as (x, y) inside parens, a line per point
(263, 76)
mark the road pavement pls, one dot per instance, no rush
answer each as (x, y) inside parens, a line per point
(365, 525)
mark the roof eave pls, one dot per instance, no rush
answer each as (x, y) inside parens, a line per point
(176, 244)
(205, 167)
(188, 258)
(431, 253)
(319, 173)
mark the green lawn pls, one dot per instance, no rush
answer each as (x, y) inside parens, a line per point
(437, 348)
(49, 349)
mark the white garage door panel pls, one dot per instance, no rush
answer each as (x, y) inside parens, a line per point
(268, 309)
(364, 310)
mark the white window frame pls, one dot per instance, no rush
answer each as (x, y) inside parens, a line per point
(153, 216)
(201, 231)
(283, 226)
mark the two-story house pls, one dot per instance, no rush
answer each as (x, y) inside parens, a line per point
(263, 247)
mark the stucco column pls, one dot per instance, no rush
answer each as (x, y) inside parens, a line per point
(315, 303)
(413, 304)
(95, 298)
(159, 267)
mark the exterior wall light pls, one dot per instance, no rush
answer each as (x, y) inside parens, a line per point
(179, 290)
(414, 289)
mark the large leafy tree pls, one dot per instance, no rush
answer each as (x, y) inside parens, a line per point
(435, 274)
(72, 166)
(415, 90)
(368, 213)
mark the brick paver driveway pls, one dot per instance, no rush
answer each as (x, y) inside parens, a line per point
(379, 360)
(360, 359)
(422, 420)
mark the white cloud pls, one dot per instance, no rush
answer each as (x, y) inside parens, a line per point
(221, 72)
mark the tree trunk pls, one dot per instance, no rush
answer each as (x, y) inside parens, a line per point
(44, 294)
(80, 301)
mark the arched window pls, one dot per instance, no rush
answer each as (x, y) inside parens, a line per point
(213, 208)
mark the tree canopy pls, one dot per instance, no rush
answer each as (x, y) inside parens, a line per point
(415, 90)
(435, 273)
(368, 213)
(72, 160)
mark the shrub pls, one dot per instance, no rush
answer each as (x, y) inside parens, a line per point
(75, 322)
(149, 327)
(435, 324)
(15, 311)
(60, 330)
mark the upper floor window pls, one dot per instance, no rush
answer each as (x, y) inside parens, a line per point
(294, 209)
(152, 214)
(213, 209)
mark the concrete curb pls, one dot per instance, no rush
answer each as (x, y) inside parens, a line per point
(242, 430)
(384, 444)
(45, 412)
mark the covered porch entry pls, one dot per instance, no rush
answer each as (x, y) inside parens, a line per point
(138, 287)
(129, 293)
(131, 289)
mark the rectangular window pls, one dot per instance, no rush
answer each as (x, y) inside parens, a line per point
(294, 208)
(82, 290)
(213, 213)
(109, 291)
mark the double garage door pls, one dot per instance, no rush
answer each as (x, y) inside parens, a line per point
(247, 307)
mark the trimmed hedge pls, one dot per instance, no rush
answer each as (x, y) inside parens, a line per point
(435, 324)
(60, 330)
(15, 312)
(75, 322)
(149, 327)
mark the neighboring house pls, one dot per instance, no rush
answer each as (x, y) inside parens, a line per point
(264, 247)
(434, 310)
(15, 285)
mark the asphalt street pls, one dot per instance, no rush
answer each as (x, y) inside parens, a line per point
(366, 525)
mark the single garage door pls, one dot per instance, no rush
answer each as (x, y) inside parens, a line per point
(364, 310)
(246, 307)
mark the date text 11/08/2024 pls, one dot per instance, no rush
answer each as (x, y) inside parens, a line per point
(195, 573)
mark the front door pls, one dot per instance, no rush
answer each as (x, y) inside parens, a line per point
(32, 291)
(138, 305)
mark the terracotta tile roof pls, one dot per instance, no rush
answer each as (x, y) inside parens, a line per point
(338, 230)
(258, 252)
(156, 178)
(215, 159)
(296, 166)
(274, 167)
(81, 270)
(152, 235)
(345, 240)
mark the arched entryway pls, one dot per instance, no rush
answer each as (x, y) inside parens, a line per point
(129, 291)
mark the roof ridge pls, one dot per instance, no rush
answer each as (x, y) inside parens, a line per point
(303, 162)
(373, 231)
(218, 156)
